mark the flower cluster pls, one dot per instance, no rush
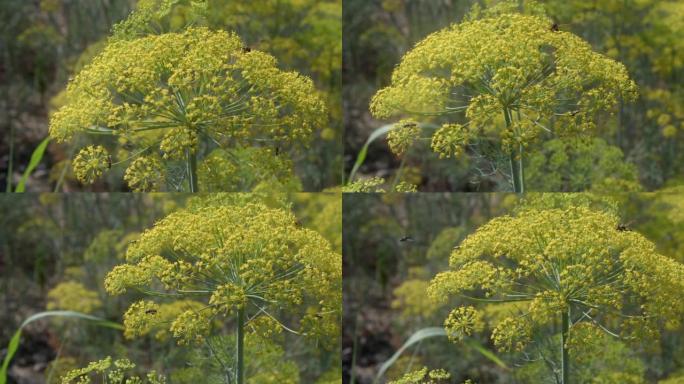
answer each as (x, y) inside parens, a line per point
(578, 165)
(90, 163)
(510, 67)
(450, 140)
(244, 168)
(110, 372)
(463, 321)
(166, 94)
(73, 296)
(365, 186)
(228, 258)
(146, 173)
(423, 376)
(374, 185)
(402, 137)
(572, 260)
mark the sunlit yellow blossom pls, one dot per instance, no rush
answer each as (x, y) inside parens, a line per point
(423, 376)
(90, 163)
(403, 135)
(167, 94)
(108, 371)
(233, 259)
(462, 322)
(245, 167)
(190, 327)
(450, 140)
(580, 165)
(368, 185)
(405, 187)
(512, 77)
(572, 262)
(145, 174)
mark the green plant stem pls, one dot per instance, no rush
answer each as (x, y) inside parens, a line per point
(521, 167)
(191, 160)
(516, 160)
(240, 369)
(11, 158)
(565, 359)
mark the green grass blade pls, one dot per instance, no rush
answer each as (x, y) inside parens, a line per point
(36, 157)
(486, 353)
(416, 337)
(14, 342)
(361, 157)
(427, 333)
(11, 350)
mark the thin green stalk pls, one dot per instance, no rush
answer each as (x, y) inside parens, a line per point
(240, 369)
(11, 158)
(565, 358)
(397, 176)
(515, 160)
(521, 167)
(191, 160)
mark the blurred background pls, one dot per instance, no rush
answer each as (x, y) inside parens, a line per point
(45, 42)
(641, 147)
(55, 250)
(394, 244)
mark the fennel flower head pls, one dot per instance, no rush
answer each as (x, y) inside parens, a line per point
(109, 371)
(511, 67)
(546, 263)
(423, 376)
(170, 96)
(247, 258)
(73, 296)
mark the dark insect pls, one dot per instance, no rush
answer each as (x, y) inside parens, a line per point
(109, 162)
(246, 49)
(554, 27)
(406, 239)
(151, 311)
(624, 227)
(319, 316)
(410, 125)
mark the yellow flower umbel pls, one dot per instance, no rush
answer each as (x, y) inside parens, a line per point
(240, 262)
(176, 96)
(90, 163)
(423, 376)
(573, 267)
(513, 78)
(73, 296)
(110, 372)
